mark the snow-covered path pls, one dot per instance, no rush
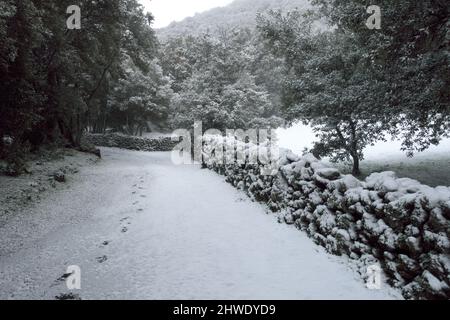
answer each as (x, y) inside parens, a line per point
(142, 228)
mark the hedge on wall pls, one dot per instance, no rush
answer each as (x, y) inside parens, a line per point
(115, 140)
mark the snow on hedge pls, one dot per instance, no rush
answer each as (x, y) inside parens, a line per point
(116, 140)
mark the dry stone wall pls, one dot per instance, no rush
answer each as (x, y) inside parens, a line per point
(398, 223)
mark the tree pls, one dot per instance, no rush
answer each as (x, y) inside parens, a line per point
(412, 50)
(138, 98)
(20, 93)
(56, 82)
(217, 81)
(329, 85)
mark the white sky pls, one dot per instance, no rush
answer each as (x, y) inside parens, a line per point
(166, 11)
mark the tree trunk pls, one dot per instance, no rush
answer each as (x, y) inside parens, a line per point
(78, 131)
(354, 149)
(356, 168)
(104, 124)
(2, 145)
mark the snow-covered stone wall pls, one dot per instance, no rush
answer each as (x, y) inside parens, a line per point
(398, 223)
(115, 140)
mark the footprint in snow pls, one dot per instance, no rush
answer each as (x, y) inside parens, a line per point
(68, 296)
(102, 259)
(64, 277)
(124, 229)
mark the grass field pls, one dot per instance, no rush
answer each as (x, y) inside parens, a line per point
(431, 167)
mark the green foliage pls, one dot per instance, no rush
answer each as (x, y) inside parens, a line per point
(412, 52)
(139, 97)
(326, 86)
(16, 156)
(354, 85)
(219, 80)
(57, 82)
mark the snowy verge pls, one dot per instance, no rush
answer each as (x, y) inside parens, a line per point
(46, 172)
(398, 223)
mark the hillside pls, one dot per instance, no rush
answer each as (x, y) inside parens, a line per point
(239, 13)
